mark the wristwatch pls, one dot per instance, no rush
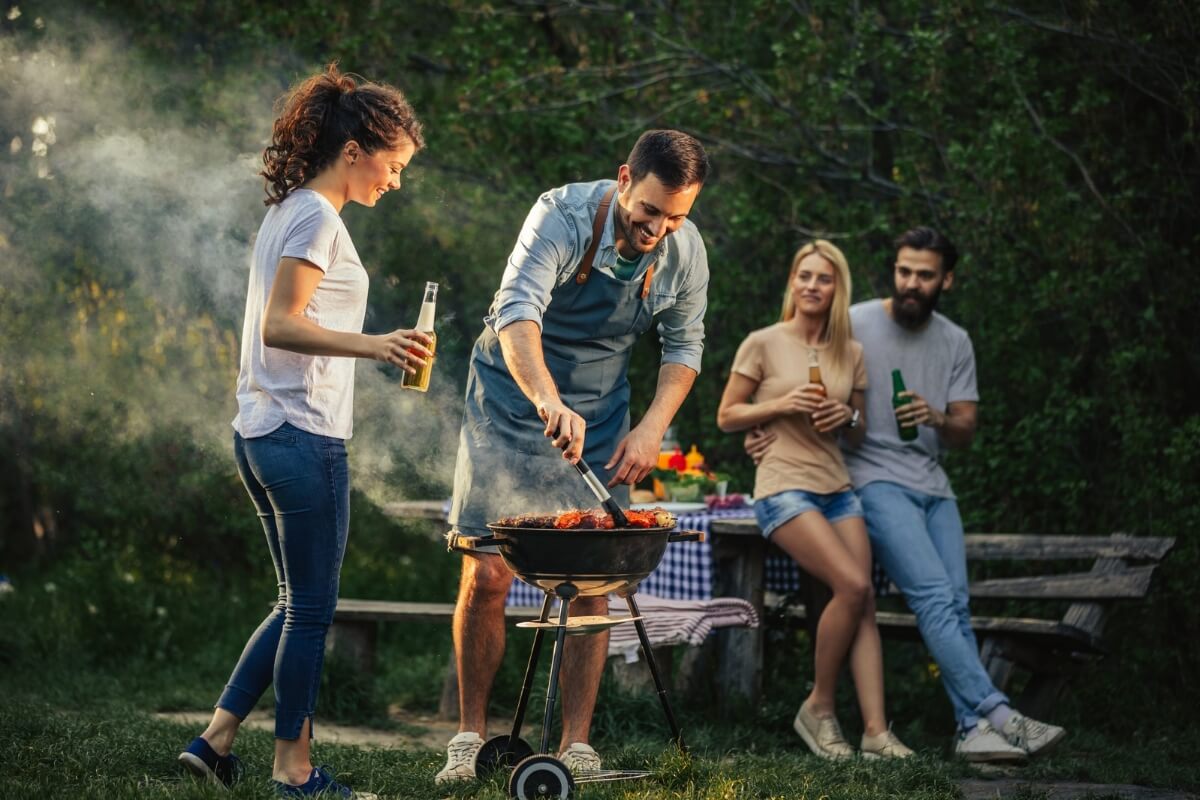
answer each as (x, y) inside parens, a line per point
(852, 423)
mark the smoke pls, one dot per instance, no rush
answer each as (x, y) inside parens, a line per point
(123, 209)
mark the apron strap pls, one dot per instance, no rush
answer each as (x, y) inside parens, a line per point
(585, 266)
(647, 280)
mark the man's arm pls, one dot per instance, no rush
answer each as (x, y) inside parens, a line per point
(955, 426)
(521, 344)
(637, 453)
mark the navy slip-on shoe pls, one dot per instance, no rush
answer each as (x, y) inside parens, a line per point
(203, 763)
(320, 783)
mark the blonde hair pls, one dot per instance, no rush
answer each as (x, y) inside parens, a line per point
(837, 331)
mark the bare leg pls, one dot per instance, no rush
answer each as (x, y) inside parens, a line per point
(866, 654)
(221, 731)
(815, 546)
(293, 762)
(582, 668)
(479, 635)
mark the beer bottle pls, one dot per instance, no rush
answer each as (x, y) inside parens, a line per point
(906, 434)
(814, 374)
(419, 380)
(814, 371)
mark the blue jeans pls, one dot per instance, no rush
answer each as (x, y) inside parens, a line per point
(300, 485)
(918, 538)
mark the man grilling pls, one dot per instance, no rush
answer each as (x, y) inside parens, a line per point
(594, 266)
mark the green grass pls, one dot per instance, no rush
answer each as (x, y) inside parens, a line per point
(84, 666)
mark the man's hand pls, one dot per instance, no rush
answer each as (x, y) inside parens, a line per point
(565, 427)
(918, 412)
(635, 456)
(757, 443)
(831, 414)
(805, 399)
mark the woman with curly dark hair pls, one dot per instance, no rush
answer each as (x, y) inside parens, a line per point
(337, 139)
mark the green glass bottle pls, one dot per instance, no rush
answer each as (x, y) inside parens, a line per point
(906, 434)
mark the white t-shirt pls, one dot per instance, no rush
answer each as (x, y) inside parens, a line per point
(313, 393)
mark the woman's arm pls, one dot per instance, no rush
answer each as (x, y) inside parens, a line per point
(737, 413)
(285, 327)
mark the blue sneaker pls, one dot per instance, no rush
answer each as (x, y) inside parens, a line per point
(203, 763)
(320, 783)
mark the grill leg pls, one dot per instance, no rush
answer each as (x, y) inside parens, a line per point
(527, 685)
(566, 593)
(648, 652)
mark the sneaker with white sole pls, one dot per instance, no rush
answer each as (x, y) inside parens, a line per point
(885, 745)
(823, 735)
(1029, 734)
(983, 743)
(460, 758)
(580, 758)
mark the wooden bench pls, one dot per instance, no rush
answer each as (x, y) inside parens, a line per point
(1051, 649)
(355, 628)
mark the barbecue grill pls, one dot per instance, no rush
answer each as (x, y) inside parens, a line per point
(566, 564)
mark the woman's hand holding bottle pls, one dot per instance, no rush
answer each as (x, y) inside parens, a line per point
(407, 349)
(806, 399)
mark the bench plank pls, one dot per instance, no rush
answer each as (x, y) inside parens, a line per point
(1023, 546)
(1050, 632)
(1133, 582)
(1040, 547)
(388, 610)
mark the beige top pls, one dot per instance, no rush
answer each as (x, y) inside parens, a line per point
(800, 458)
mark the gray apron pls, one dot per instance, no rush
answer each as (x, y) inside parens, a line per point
(506, 464)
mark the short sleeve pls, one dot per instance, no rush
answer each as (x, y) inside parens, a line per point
(962, 376)
(312, 236)
(860, 369)
(748, 361)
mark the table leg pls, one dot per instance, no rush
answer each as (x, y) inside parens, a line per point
(738, 572)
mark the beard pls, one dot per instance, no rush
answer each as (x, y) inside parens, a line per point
(914, 315)
(629, 232)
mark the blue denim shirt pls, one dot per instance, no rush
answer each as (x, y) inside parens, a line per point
(553, 240)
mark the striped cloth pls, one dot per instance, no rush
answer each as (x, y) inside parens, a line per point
(671, 622)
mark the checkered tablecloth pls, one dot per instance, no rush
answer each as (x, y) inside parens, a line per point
(685, 572)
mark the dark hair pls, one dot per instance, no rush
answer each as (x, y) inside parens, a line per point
(678, 160)
(925, 238)
(317, 118)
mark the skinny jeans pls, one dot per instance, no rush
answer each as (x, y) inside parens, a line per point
(299, 483)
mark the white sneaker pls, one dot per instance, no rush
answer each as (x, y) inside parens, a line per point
(580, 758)
(885, 745)
(823, 735)
(1029, 734)
(460, 758)
(985, 743)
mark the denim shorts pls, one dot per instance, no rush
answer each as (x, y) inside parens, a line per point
(776, 509)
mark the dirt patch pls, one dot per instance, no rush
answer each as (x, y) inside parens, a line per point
(412, 731)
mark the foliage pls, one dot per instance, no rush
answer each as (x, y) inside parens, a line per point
(1056, 144)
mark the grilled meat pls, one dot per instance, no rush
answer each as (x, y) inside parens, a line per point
(590, 519)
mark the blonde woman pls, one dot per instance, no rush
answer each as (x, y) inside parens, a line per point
(804, 502)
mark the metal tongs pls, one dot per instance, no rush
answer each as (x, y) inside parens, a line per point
(601, 492)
